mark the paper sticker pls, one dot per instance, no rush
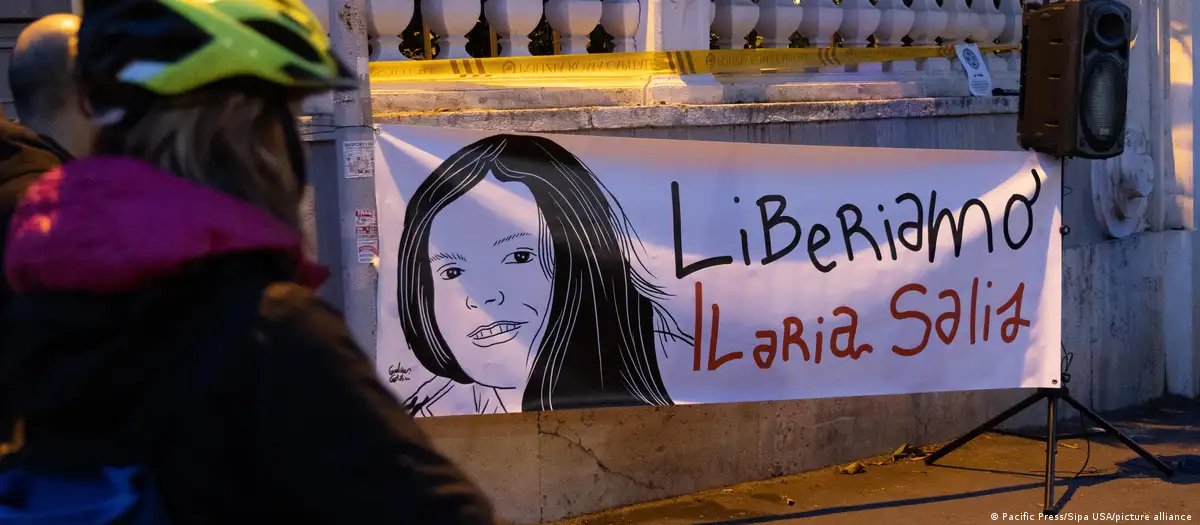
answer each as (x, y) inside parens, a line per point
(366, 235)
(368, 252)
(360, 158)
(363, 217)
(978, 77)
(364, 69)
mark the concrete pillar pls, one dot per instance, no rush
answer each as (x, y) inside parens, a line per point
(1183, 362)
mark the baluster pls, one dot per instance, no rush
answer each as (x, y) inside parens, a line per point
(929, 21)
(573, 19)
(820, 21)
(672, 26)
(513, 20)
(451, 20)
(1011, 34)
(961, 22)
(620, 19)
(733, 21)
(989, 24)
(860, 18)
(386, 19)
(777, 21)
(895, 21)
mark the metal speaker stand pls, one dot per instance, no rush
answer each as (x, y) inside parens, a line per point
(1052, 397)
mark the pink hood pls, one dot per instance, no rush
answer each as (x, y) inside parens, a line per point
(111, 225)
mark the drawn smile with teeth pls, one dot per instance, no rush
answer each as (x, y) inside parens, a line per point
(495, 329)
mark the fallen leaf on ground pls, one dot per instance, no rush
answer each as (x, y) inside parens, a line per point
(907, 451)
(853, 468)
(930, 449)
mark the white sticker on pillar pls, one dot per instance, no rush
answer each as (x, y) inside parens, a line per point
(366, 236)
(360, 158)
(368, 252)
(364, 69)
(978, 78)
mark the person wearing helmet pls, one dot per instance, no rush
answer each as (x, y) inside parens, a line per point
(165, 314)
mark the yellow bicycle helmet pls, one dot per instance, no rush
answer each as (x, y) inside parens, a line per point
(172, 47)
(133, 54)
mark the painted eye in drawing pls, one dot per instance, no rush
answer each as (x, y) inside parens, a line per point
(451, 273)
(519, 257)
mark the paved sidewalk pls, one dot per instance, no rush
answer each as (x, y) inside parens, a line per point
(993, 474)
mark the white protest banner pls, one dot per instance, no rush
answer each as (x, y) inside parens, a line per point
(534, 272)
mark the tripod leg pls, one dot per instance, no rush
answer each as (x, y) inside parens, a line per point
(1029, 401)
(1145, 454)
(1051, 451)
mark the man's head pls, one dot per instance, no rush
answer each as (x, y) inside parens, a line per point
(43, 86)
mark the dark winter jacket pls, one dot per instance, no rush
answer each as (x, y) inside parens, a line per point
(24, 155)
(278, 417)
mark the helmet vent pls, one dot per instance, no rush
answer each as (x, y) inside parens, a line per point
(285, 37)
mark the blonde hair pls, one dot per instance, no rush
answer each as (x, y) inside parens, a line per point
(224, 140)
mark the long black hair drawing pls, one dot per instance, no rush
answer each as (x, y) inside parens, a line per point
(584, 321)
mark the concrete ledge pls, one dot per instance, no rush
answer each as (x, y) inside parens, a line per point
(509, 94)
(455, 97)
(668, 116)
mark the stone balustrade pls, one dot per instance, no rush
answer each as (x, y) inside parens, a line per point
(402, 30)
(732, 24)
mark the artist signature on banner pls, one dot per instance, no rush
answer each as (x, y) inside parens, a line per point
(399, 374)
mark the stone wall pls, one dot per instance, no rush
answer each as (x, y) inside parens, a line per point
(548, 466)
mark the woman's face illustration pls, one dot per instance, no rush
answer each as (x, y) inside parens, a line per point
(490, 293)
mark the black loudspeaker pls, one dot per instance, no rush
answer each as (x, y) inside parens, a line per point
(1074, 78)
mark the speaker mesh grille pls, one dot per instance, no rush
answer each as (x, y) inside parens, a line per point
(1104, 103)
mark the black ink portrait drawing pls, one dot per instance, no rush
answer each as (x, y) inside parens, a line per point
(519, 282)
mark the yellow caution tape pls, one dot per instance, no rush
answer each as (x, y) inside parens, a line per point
(599, 65)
